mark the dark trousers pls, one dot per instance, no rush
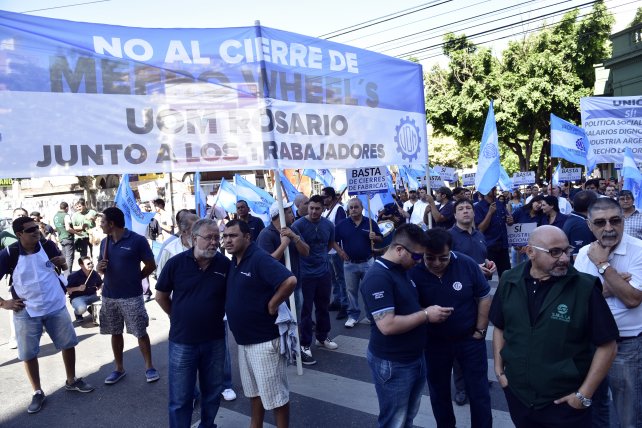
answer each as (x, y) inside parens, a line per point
(501, 258)
(471, 355)
(82, 244)
(67, 250)
(316, 291)
(551, 416)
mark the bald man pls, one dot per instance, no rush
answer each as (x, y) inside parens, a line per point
(548, 306)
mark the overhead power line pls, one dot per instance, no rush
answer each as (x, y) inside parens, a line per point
(64, 6)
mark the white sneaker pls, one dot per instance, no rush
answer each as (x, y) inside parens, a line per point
(229, 394)
(327, 344)
(350, 323)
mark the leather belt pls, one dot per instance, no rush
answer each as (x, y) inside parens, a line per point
(625, 338)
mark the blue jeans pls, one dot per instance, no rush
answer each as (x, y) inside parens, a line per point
(338, 282)
(29, 332)
(185, 361)
(81, 303)
(625, 380)
(399, 387)
(471, 355)
(354, 273)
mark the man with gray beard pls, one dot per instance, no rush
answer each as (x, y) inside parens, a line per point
(554, 337)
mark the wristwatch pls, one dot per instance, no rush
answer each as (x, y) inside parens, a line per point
(586, 402)
(603, 268)
(481, 331)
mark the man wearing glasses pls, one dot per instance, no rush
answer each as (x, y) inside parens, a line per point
(616, 258)
(632, 217)
(554, 337)
(398, 332)
(455, 281)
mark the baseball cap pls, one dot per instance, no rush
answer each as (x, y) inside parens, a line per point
(274, 209)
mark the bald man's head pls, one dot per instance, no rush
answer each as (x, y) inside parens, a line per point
(549, 252)
(544, 234)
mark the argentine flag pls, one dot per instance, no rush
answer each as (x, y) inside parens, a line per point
(226, 196)
(488, 167)
(632, 177)
(257, 199)
(556, 175)
(323, 176)
(505, 182)
(571, 143)
(135, 219)
(199, 203)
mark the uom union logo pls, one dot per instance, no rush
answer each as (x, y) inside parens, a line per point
(407, 139)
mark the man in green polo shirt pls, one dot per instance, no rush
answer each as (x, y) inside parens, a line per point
(554, 337)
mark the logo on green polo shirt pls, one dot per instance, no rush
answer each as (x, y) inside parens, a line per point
(561, 314)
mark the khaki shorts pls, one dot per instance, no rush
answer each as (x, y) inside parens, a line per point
(130, 312)
(263, 373)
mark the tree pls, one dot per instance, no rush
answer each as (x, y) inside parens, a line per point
(545, 72)
(637, 19)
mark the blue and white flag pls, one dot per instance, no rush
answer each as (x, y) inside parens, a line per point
(556, 175)
(632, 177)
(288, 187)
(135, 219)
(323, 176)
(257, 199)
(571, 143)
(488, 167)
(412, 175)
(226, 196)
(199, 197)
(505, 182)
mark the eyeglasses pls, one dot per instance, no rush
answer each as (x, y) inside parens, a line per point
(556, 253)
(442, 259)
(415, 256)
(30, 229)
(210, 238)
(613, 221)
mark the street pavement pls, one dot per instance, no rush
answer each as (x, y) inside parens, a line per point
(336, 392)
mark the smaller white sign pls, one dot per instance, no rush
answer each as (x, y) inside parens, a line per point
(468, 179)
(148, 191)
(518, 233)
(446, 173)
(436, 182)
(570, 174)
(521, 178)
(366, 180)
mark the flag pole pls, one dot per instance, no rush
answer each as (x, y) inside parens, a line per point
(369, 222)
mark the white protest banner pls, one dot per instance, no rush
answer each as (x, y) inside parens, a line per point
(518, 233)
(436, 182)
(468, 179)
(612, 124)
(570, 174)
(446, 173)
(91, 99)
(521, 178)
(366, 180)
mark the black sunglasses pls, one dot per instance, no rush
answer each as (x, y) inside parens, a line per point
(415, 256)
(613, 221)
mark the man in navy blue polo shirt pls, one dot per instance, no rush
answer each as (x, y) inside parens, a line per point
(356, 235)
(121, 254)
(318, 233)
(254, 223)
(398, 332)
(452, 279)
(256, 285)
(191, 289)
(468, 240)
(491, 219)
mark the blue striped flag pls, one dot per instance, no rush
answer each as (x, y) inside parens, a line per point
(488, 167)
(571, 143)
(135, 219)
(199, 196)
(632, 177)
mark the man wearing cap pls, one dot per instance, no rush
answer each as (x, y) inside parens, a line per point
(356, 237)
(275, 239)
(444, 215)
(632, 217)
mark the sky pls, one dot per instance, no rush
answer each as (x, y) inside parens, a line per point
(418, 33)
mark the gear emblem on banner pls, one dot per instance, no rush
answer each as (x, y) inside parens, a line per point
(408, 139)
(580, 144)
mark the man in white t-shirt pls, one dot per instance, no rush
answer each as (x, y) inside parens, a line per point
(418, 209)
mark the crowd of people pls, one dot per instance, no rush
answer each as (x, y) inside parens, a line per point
(566, 313)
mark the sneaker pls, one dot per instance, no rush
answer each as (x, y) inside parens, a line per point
(306, 356)
(114, 377)
(152, 375)
(13, 344)
(343, 313)
(327, 344)
(79, 385)
(36, 402)
(229, 394)
(350, 323)
(460, 398)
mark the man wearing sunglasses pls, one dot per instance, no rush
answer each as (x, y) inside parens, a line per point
(616, 258)
(454, 281)
(398, 332)
(554, 336)
(38, 301)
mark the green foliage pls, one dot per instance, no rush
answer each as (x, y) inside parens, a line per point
(546, 72)
(637, 19)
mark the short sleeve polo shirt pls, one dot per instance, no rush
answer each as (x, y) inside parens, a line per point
(471, 244)
(250, 286)
(387, 287)
(317, 235)
(354, 239)
(122, 278)
(270, 239)
(198, 297)
(79, 278)
(461, 286)
(496, 235)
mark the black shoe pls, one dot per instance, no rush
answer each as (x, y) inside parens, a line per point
(306, 356)
(334, 306)
(36, 402)
(343, 313)
(460, 398)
